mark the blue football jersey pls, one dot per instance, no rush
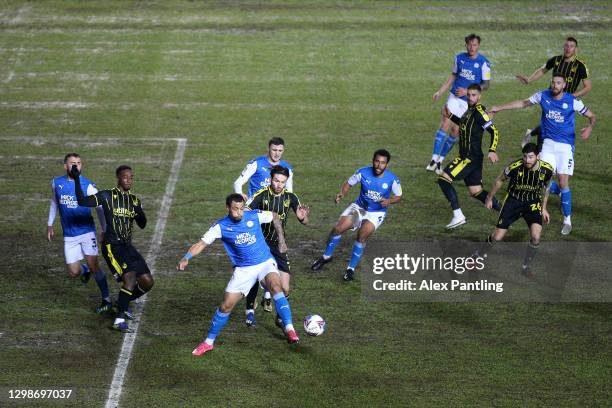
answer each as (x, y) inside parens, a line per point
(374, 189)
(558, 116)
(243, 240)
(470, 71)
(261, 178)
(76, 220)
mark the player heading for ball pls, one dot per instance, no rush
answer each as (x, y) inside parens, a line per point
(244, 242)
(469, 68)
(367, 213)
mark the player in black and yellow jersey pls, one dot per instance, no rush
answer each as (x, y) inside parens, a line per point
(468, 165)
(121, 209)
(277, 199)
(572, 68)
(527, 197)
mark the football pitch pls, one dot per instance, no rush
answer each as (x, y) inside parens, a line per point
(187, 93)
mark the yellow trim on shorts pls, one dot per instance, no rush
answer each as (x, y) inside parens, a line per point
(460, 166)
(113, 260)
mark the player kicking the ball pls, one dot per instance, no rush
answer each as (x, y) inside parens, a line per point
(367, 213)
(244, 242)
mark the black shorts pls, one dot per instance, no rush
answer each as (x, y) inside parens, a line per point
(468, 170)
(281, 259)
(513, 209)
(123, 258)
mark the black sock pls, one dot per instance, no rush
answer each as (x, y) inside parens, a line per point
(124, 299)
(449, 192)
(530, 253)
(137, 292)
(252, 296)
(482, 196)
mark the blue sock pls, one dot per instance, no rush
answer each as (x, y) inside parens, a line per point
(218, 321)
(554, 188)
(448, 145)
(438, 142)
(100, 278)
(331, 245)
(566, 201)
(282, 308)
(356, 255)
(84, 269)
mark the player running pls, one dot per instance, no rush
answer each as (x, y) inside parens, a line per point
(79, 228)
(558, 131)
(527, 197)
(121, 209)
(468, 165)
(275, 198)
(257, 173)
(367, 213)
(253, 262)
(468, 68)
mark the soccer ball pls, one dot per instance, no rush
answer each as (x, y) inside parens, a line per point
(314, 325)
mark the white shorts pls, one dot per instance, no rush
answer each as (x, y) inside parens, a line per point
(359, 214)
(559, 155)
(75, 248)
(456, 105)
(244, 277)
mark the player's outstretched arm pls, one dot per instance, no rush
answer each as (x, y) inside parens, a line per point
(193, 251)
(89, 201)
(343, 191)
(278, 226)
(519, 104)
(545, 214)
(586, 88)
(537, 74)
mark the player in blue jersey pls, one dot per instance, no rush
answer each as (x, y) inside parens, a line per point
(468, 68)
(79, 228)
(558, 133)
(367, 213)
(246, 247)
(257, 171)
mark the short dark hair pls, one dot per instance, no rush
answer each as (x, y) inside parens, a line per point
(279, 170)
(122, 168)
(475, 87)
(382, 152)
(471, 37)
(531, 148)
(233, 198)
(558, 74)
(574, 40)
(69, 155)
(276, 141)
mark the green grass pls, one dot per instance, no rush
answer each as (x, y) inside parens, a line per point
(337, 81)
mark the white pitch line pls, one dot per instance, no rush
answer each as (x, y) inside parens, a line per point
(123, 361)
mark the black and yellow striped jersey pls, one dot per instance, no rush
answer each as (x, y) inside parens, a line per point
(281, 203)
(472, 125)
(528, 185)
(121, 208)
(573, 71)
